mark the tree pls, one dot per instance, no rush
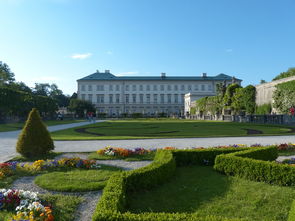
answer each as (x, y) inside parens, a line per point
(34, 139)
(290, 72)
(284, 96)
(249, 99)
(262, 81)
(230, 90)
(6, 75)
(79, 106)
(42, 89)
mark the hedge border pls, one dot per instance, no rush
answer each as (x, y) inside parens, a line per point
(111, 205)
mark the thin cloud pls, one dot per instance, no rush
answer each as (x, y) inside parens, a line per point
(129, 73)
(229, 50)
(109, 52)
(81, 56)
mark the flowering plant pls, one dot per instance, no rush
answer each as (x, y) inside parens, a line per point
(7, 169)
(26, 204)
(287, 147)
(117, 151)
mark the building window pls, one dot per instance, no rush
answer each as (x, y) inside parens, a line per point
(90, 97)
(196, 87)
(148, 88)
(89, 87)
(162, 98)
(100, 87)
(182, 87)
(111, 98)
(203, 87)
(162, 87)
(182, 98)
(140, 87)
(117, 87)
(189, 87)
(209, 87)
(155, 98)
(127, 98)
(148, 98)
(111, 87)
(82, 87)
(134, 87)
(127, 87)
(83, 97)
(141, 98)
(175, 98)
(176, 87)
(134, 98)
(117, 98)
(100, 98)
(169, 98)
(169, 87)
(155, 88)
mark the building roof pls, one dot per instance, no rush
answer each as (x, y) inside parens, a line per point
(108, 76)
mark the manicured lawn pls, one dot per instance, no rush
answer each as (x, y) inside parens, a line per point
(153, 128)
(18, 126)
(202, 190)
(64, 207)
(76, 180)
(50, 155)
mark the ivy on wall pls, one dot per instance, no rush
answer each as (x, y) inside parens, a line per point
(284, 96)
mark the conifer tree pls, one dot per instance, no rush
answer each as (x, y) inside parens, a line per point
(34, 140)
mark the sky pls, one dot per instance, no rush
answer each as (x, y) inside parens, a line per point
(60, 41)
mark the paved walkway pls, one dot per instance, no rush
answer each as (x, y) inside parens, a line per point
(8, 140)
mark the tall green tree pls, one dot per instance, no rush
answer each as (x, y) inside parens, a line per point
(79, 106)
(284, 96)
(290, 72)
(6, 75)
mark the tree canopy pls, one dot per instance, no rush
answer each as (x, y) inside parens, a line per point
(290, 72)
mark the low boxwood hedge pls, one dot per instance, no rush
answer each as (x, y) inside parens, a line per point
(113, 202)
(256, 164)
(250, 163)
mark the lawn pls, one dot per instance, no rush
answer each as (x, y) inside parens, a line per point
(76, 180)
(153, 128)
(19, 126)
(202, 190)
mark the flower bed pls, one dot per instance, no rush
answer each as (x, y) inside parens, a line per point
(9, 169)
(25, 204)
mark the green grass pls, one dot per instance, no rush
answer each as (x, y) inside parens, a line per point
(153, 128)
(202, 190)
(77, 179)
(148, 156)
(19, 126)
(64, 207)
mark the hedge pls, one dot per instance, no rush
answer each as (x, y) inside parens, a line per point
(112, 205)
(251, 164)
(291, 216)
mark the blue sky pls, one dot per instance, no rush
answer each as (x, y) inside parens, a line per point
(60, 41)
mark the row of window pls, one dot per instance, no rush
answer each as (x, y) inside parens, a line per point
(137, 98)
(162, 87)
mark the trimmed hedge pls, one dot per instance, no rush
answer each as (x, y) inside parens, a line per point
(251, 164)
(201, 156)
(113, 202)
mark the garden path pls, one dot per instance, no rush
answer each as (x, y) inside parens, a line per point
(90, 198)
(8, 139)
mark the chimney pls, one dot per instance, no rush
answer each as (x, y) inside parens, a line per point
(204, 75)
(97, 71)
(107, 71)
(163, 75)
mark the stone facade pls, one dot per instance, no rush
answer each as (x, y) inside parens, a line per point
(150, 96)
(264, 92)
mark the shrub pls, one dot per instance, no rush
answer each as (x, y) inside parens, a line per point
(113, 203)
(252, 165)
(263, 109)
(34, 139)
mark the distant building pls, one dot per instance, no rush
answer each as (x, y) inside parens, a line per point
(150, 96)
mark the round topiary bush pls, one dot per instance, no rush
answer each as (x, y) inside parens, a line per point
(34, 139)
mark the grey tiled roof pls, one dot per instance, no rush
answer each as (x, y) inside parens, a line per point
(109, 76)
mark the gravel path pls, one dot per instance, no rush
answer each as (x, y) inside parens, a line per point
(90, 199)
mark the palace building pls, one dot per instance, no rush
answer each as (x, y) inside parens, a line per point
(116, 95)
